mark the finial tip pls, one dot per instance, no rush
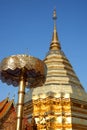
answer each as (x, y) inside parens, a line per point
(54, 14)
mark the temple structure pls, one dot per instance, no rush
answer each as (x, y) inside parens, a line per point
(8, 116)
(61, 103)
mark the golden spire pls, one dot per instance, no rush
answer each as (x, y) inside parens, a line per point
(55, 45)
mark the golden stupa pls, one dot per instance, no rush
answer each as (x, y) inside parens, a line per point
(61, 103)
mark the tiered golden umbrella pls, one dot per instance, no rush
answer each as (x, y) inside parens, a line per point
(23, 71)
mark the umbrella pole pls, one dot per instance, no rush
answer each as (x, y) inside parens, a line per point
(20, 104)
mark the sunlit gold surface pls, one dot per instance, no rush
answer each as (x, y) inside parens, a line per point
(57, 112)
(10, 70)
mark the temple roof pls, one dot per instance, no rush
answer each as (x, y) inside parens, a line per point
(61, 77)
(8, 115)
(5, 106)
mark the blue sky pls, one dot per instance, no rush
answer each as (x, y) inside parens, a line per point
(26, 26)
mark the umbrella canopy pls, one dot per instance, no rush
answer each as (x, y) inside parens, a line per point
(32, 69)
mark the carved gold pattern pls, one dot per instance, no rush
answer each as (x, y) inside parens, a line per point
(60, 114)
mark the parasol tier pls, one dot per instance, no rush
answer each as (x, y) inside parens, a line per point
(32, 69)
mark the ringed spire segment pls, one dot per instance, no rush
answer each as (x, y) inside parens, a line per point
(55, 45)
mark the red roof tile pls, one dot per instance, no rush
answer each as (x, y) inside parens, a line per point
(5, 106)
